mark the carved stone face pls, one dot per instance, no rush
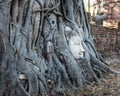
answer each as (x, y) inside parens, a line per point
(49, 47)
(76, 47)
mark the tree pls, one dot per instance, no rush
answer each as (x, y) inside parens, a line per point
(45, 47)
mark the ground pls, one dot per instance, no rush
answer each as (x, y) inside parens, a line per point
(109, 86)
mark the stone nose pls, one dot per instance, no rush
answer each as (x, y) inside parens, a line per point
(81, 48)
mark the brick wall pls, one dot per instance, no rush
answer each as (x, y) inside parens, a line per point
(107, 41)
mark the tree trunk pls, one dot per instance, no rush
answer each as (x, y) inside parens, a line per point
(46, 48)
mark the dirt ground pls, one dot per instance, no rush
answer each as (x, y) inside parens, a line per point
(109, 86)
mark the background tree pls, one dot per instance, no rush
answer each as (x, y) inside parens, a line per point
(46, 47)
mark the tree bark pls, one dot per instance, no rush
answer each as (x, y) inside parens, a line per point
(46, 48)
